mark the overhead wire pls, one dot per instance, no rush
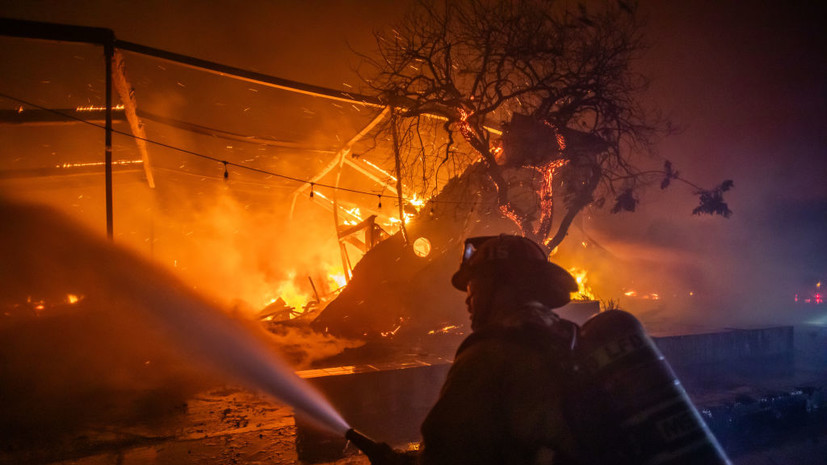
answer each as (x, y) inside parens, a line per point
(225, 163)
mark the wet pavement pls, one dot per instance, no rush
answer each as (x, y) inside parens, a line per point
(230, 425)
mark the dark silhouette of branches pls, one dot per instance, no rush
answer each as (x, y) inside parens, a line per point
(528, 85)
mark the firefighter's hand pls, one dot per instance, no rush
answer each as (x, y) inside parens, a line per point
(383, 454)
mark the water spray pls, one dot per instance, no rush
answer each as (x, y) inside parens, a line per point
(35, 247)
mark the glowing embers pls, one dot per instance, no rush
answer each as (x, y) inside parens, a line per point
(422, 247)
(98, 108)
(395, 329)
(37, 306)
(464, 125)
(645, 296)
(98, 163)
(561, 141)
(450, 329)
(510, 214)
(546, 193)
(498, 152)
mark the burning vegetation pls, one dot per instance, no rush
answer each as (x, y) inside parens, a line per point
(477, 118)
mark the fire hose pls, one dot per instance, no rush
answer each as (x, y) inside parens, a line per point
(379, 453)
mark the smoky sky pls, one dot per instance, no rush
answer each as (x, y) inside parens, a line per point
(745, 83)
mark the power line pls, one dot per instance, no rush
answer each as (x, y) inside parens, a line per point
(209, 157)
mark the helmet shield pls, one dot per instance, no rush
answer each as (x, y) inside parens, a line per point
(510, 253)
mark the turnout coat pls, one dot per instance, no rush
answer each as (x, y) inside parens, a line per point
(502, 401)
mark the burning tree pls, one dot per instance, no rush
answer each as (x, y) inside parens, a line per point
(539, 109)
(558, 82)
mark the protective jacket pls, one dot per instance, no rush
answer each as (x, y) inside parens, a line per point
(502, 400)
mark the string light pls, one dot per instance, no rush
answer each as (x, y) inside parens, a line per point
(207, 157)
(311, 189)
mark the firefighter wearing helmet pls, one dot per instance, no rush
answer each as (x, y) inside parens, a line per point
(527, 387)
(500, 403)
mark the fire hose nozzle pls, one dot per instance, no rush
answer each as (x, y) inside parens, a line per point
(377, 452)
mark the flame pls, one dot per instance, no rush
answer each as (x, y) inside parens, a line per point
(649, 296)
(497, 151)
(356, 212)
(337, 279)
(290, 293)
(416, 202)
(584, 291)
(394, 221)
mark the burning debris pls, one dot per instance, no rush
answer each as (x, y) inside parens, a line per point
(532, 175)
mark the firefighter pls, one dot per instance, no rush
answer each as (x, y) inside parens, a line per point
(500, 403)
(527, 387)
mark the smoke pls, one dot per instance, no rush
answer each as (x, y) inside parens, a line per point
(707, 272)
(92, 333)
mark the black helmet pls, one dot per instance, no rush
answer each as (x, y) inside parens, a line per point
(515, 253)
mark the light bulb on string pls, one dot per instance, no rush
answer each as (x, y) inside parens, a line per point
(380, 200)
(311, 190)
(226, 173)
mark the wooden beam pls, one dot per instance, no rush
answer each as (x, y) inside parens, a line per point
(250, 76)
(339, 158)
(53, 31)
(108, 55)
(369, 175)
(130, 107)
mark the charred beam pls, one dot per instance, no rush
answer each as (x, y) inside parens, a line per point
(53, 31)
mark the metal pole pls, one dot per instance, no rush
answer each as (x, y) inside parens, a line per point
(109, 52)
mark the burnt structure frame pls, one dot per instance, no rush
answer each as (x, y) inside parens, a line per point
(106, 38)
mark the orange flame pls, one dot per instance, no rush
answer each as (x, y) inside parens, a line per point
(584, 290)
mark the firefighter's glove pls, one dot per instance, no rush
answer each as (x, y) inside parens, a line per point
(383, 454)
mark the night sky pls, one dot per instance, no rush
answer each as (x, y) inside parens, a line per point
(745, 81)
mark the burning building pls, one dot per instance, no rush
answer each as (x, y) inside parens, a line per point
(269, 196)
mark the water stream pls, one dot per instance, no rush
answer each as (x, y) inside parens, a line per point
(39, 245)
